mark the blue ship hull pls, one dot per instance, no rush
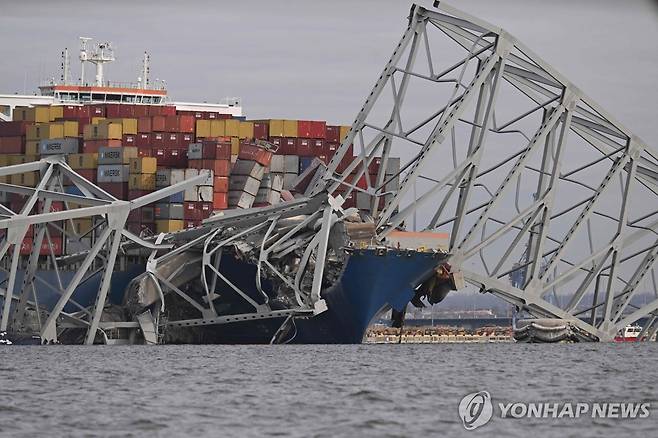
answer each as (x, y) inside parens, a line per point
(368, 284)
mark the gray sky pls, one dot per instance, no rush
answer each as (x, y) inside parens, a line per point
(318, 60)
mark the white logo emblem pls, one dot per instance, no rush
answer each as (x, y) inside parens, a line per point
(475, 410)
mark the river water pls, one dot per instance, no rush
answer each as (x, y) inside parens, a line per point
(324, 391)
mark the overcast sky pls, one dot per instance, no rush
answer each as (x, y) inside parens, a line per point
(318, 60)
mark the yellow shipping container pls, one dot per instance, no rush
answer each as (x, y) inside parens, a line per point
(38, 114)
(343, 132)
(45, 131)
(27, 179)
(97, 120)
(128, 126)
(109, 131)
(235, 146)
(289, 128)
(20, 114)
(276, 128)
(32, 147)
(79, 226)
(20, 159)
(143, 165)
(217, 128)
(232, 128)
(83, 161)
(70, 128)
(141, 181)
(202, 128)
(56, 112)
(89, 132)
(168, 226)
(246, 130)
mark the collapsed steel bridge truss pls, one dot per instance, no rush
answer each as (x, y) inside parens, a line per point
(550, 203)
(103, 242)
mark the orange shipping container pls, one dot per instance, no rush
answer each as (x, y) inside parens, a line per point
(220, 201)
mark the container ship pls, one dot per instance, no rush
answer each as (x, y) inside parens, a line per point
(129, 141)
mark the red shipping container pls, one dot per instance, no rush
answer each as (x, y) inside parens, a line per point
(54, 206)
(144, 124)
(161, 155)
(97, 111)
(211, 115)
(317, 147)
(199, 115)
(13, 129)
(184, 124)
(186, 139)
(172, 141)
(129, 140)
(191, 224)
(158, 140)
(222, 167)
(373, 167)
(141, 111)
(304, 147)
(144, 152)
(304, 128)
(83, 112)
(255, 153)
(261, 130)
(205, 208)
(12, 145)
(126, 111)
(220, 201)
(88, 174)
(288, 146)
(195, 164)
(220, 184)
(223, 151)
(143, 140)
(92, 146)
(117, 189)
(82, 121)
(70, 111)
(113, 110)
(277, 141)
(191, 212)
(158, 124)
(333, 134)
(134, 194)
(168, 110)
(176, 158)
(318, 129)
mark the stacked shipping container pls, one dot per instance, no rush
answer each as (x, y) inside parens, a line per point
(132, 150)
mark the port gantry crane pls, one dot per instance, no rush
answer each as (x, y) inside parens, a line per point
(497, 148)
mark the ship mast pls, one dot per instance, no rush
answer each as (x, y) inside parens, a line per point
(101, 54)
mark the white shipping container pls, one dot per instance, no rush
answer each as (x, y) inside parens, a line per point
(205, 193)
(113, 173)
(240, 200)
(244, 183)
(177, 175)
(251, 168)
(209, 181)
(63, 146)
(191, 173)
(291, 164)
(195, 151)
(277, 181)
(277, 165)
(191, 194)
(289, 180)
